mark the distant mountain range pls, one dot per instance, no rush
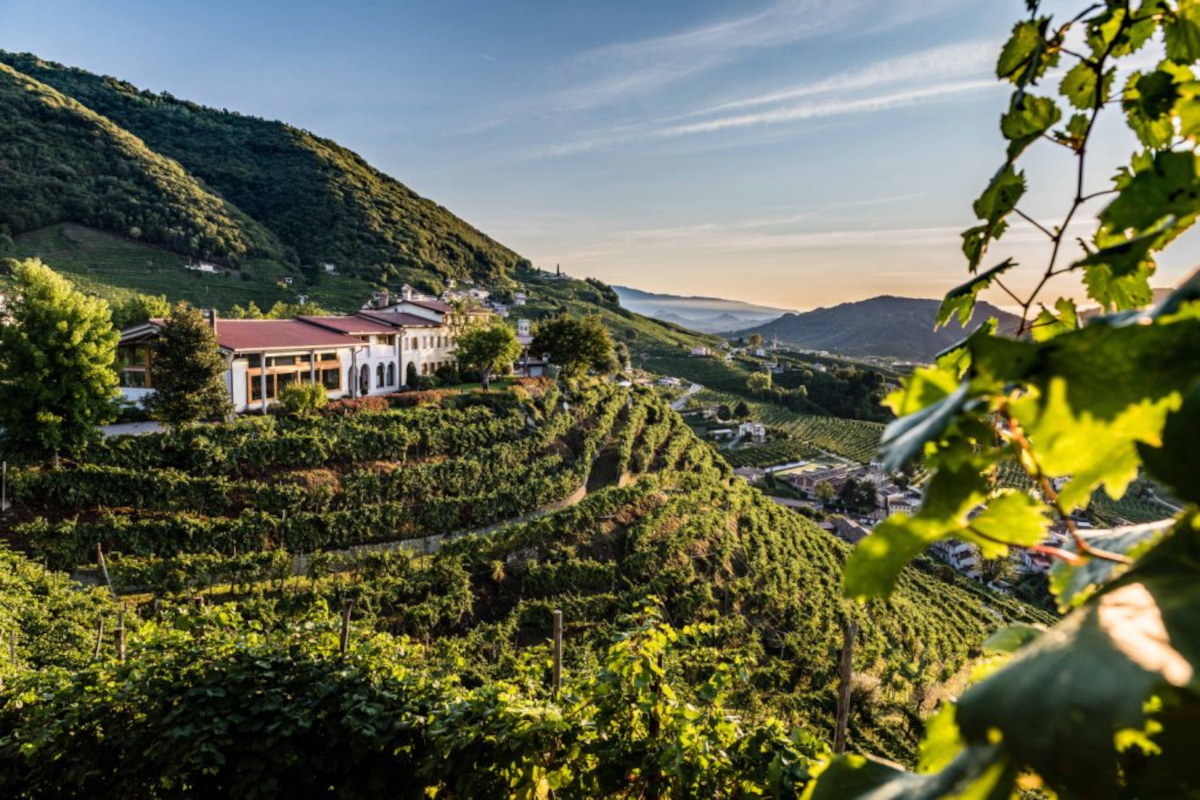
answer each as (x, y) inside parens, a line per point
(897, 327)
(705, 314)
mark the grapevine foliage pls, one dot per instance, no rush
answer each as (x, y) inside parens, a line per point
(1103, 704)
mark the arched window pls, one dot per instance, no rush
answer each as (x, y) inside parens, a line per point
(379, 377)
(391, 374)
(364, 380)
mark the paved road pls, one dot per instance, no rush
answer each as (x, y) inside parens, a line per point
(678, 405)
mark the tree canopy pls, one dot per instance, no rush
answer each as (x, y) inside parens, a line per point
(487, 349)
(576, 344)
(57, 348)
(187, 370)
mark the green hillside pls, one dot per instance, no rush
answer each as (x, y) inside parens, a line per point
(598, 507)
(325, 203)
(60, 161)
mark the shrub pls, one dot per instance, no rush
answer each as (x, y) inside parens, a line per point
(303, 399)
(356, 405)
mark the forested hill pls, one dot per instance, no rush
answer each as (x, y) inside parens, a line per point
(322, 202)
(61, 161)
(902, 327)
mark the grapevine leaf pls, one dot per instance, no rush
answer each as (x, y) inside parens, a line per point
(1187, 109)
(1027, 118)
(942, 742)
(1138, 634)
(975, 241)
(1012, 517)
(1126, 257)
(876, 562)
(1130, 291)
(904, 438)
(1104, 30)
(1000, 197)
(1075, 132)
(1148, 100)
(1083, 90)
(1166, 185)
(1027, 55)
(1072, 585)
(1183, 33)
(961, 299)
(1049, 324)
(977, 773)
(926, 386)
(1012, 638)
(1177, 461)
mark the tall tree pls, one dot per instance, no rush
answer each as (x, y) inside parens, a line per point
(487, 349)
(57, 348)
(755, 341)
(576, 344)
(187, 370)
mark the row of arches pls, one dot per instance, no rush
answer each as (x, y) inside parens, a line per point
(385, 377)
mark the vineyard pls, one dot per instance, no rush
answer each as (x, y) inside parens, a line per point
(795, 436)
(453, 529)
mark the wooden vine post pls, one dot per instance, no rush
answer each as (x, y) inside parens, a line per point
(104, 569)
(558, 652)
(846, 673)
(345, 637)
(119, 636)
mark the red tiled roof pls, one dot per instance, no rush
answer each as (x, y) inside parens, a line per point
(272, 334)
(432, 305)
(344, 324)
(399, 320)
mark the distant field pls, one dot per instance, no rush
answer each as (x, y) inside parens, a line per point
(810, 435)
(111, 266)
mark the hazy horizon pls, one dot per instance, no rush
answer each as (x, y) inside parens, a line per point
(785, 152)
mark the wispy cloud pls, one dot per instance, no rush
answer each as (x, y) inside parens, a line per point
(647, 64)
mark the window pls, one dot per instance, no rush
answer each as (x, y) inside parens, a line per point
(282, 361)
(379, 377)
(329, 356)
(414, 343)
(391, 374)
(134, 379)
(364, 379)
(254, 360)
(331, 379)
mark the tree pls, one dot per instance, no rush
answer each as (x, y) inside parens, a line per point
(824, 491)
(187, 370)
(759, 382)
(486, 349)
(139, 308)
(57, 348)
(303, 399)
(576, 344)
(410, 374)
(741, 410)
(993, 570)
(755, 341)
(724, 412)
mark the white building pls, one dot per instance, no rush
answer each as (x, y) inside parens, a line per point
(369, 353)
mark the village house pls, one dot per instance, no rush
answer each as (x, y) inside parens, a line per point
(755, 430)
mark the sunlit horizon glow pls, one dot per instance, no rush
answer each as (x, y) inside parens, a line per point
(793, 153)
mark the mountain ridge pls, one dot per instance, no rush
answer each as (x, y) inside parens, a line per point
(885, 326)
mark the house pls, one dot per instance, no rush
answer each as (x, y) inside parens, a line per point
(849, 530)
(700, 351)
(835, 476)
(669, 381)
(364, 354)
(330, 268)
(519, 298)
(755, 430)
(956, 553)
(721, 433)
(751, 475)
(205, 267)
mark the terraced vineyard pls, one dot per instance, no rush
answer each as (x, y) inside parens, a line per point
(480, 514)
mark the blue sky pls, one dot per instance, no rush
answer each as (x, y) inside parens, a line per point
(790, 152)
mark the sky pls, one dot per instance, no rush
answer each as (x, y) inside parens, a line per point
(796, 153)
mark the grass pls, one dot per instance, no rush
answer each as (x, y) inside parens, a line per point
(113, 267)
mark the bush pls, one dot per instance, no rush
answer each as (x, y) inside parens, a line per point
(357, 405)
(303, 399)
(448, 375)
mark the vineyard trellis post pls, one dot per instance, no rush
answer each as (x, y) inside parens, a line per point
(99, 634)
(104, 569)
(344, 642)
(558, 652)
(119, 636)
(846, 673)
